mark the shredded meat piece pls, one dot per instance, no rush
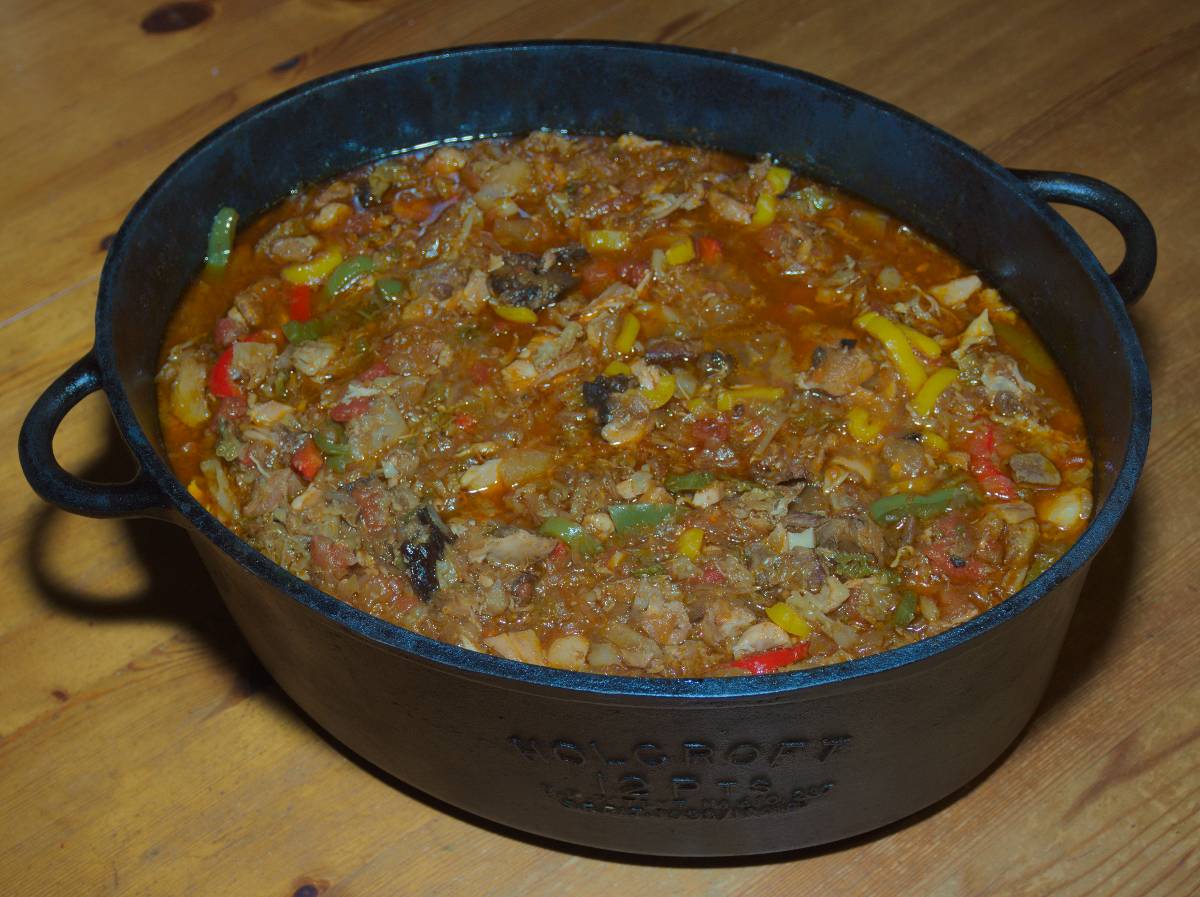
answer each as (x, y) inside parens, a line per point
(1032, 467)
(839, 369)
(518, 548)
(275, 489)
(852, 534)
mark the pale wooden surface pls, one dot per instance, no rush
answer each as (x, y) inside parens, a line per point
(143, 750)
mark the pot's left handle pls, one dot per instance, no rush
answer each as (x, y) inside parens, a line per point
(140, 497)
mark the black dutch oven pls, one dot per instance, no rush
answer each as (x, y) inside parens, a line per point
(687, 767)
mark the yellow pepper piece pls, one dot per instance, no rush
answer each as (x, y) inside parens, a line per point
(898, 347)
(727, 398)
(617, 367)
(606, 240)
(681, 252)
(627, 335)
(315, 271)
(516, 313)
(926, 345)
(861, 425)
(661, 393)
(195, 490)
(935, 441)
(778, 179)
(764, 210)
(757, 393)
(926, 398)
(788, 620)
(690, 542)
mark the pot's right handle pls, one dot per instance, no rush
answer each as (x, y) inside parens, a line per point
(140, 497)
(1133, 275)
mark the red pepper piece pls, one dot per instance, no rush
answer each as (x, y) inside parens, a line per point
(465, 421)
(982, 449)
(350, 409)
(709, 249)
(712, 574)
(308, 460)
(300, 303)
(776, 658)
(220, 380)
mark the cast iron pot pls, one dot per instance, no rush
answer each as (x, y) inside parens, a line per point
(685, 767)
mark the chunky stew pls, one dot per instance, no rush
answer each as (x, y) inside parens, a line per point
(620, 406)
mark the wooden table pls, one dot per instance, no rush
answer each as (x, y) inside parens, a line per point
(144, 751)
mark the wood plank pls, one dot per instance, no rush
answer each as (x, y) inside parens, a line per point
(144, 751)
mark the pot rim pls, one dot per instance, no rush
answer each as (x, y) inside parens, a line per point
(464, 661)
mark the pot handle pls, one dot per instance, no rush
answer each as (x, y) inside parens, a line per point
(139, 497)
(1133, 275)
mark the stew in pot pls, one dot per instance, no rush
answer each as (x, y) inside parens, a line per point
(621, 406)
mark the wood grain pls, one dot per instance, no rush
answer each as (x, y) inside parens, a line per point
(144, 751)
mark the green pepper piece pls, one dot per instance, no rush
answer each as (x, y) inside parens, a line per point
(894, 508)
(220, 240)
(642, 514)
(347, 272)
(329, 448)
(390, 289)
(688, 482)
(572, 534)
(297, 332)
(906, 609)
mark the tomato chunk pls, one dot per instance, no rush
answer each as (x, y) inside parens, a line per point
(350, 409)
(308, 460)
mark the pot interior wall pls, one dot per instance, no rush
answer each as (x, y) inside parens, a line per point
(815, 127)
